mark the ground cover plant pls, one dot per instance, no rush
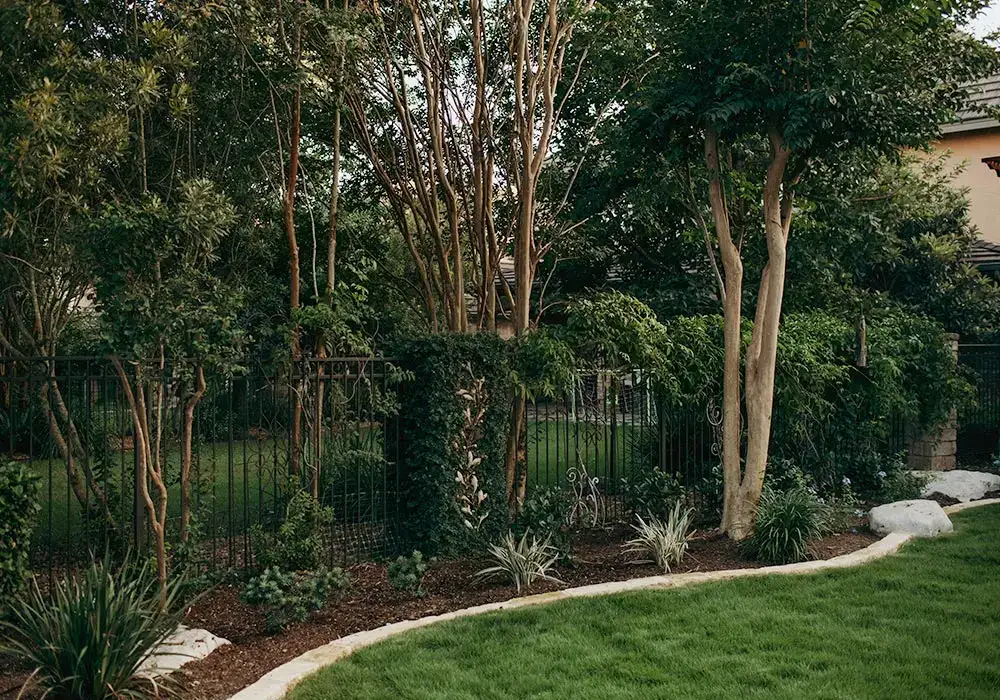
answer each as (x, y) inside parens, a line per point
(919, 624)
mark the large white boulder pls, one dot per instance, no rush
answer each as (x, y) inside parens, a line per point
(962, 485)
(919, 518)
(183, 646)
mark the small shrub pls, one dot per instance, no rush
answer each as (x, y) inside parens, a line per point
(299, 542)
(844, 509)
(652, 494)
(87, 639)
(786, 522)
(407, 573)
(291, 597)
(545, 512)
(664, 543)
(18, 508)
(878, 477)
(521, 561)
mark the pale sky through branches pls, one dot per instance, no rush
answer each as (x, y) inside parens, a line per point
(988, 21)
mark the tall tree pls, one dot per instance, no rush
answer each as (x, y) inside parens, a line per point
(770, 90)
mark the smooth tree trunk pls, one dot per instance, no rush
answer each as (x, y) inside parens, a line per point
(187, 434)
(744, 479)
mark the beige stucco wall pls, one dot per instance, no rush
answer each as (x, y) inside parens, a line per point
(982, 183)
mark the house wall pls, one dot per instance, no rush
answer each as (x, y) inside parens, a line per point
(982, 183)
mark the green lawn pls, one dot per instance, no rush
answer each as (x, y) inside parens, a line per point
(924, 624)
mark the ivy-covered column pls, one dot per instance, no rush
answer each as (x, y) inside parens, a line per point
(453, 425)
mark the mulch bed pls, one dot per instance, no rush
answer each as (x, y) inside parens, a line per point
(371, 602)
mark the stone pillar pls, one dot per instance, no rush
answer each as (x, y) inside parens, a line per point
(937, 448)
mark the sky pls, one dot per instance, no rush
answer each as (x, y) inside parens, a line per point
(989, 21)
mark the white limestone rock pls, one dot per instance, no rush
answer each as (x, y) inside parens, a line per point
(962, 485)
(918, 518)
(183, 646)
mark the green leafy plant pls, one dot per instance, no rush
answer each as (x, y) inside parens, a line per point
(545, 512)
(521, 561)
(652, 493)
(18, 508)
(786, 522)
(291, 597)
(86, 639)
(407, 573)
(298, 545)
(663, 542)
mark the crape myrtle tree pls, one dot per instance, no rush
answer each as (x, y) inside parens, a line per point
(760, 94)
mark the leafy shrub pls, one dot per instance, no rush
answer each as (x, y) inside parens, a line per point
(407, 573)
(291, 597)
(544, 512)
(844, 509)
(88, 637)
(665, 543)
(786, 522)
(882, 478)
(521, 561)
(434, 437)
(18, 508)
(299, 542)
(652, 493)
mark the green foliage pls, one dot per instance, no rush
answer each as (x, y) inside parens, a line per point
(407, 573)
(545, 512)
(651, 493)
(435, 435)
(291, 597)
(349, 480)
(521, 561)
(786, 522)
(18, 508)
(87, 639)
(543, 364)
(664, 542)
(299, 544)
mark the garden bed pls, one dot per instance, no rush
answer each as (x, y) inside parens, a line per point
(371, 602)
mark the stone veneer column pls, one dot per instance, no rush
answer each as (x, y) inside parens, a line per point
(937, 448)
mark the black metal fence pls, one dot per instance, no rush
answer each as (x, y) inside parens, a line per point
(327, 425)
(70, 420)
(979, 421)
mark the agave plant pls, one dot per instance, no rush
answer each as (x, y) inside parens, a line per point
(664, 543)
(521, 561)
(88, 639)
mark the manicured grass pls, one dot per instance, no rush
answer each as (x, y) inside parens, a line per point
(924, 624)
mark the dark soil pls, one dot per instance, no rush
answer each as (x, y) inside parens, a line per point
(943, 500)
(372, 602)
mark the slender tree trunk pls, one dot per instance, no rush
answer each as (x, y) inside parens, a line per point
(187, 433)
(293, 264)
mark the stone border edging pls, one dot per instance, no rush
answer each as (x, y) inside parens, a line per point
(277, 682)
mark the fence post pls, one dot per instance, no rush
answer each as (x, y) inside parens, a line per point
(936, 448)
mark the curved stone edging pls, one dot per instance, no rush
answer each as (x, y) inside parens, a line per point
(277, 682)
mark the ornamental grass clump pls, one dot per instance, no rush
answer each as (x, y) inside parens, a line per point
(663, 542)
(87, 639)
(522, 561)
(786, 522)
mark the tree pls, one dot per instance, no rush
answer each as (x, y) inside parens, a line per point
(771, 90)
(166, 318)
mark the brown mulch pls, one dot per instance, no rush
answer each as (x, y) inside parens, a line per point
(372, 602)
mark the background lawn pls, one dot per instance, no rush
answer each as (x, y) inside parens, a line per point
(923, 624)
(240, 485)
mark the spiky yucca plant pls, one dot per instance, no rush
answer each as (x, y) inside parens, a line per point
(521, 561)
(88, 640)
(664, 543)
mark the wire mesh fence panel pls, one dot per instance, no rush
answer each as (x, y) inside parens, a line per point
(229, 455)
